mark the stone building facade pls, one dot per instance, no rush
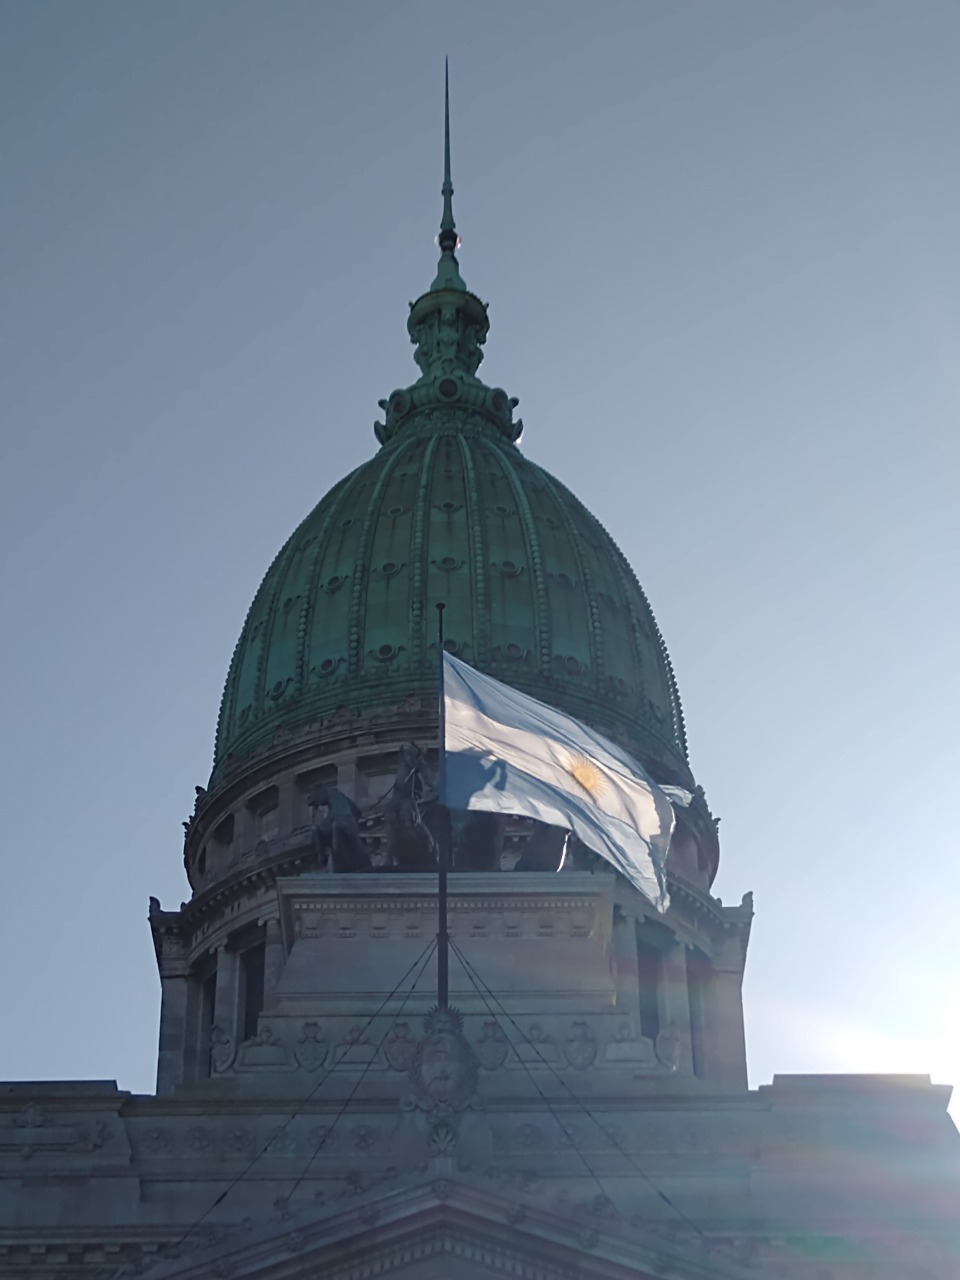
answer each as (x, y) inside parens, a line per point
(582, 1110)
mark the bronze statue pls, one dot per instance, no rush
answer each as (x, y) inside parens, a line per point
(544, 850)
(338, 834)
(481, 842)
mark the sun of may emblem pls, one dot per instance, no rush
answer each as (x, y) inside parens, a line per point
(589, 775)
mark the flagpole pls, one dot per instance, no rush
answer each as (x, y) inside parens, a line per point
(443, 953)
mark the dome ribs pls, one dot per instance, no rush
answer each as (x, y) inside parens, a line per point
(242, 656)
(673, 694)
(541, 604)
(626, 581)
(481, 614)
(627, 574)
(646, 635)
(594, 628)
(358, 588)
(227, 728)
(316, 569)
(228, 702)
(277, 574)
(679, 724)
(419, 553)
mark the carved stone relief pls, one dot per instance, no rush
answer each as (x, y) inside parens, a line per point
(580, 1048)
(156, 1141)
(240, 1142)
(400, 1047)
(537, 1050)
(199, 1140)
(311, 1049)
(442, 1139)
(492, 1047)
(669, 1047)
(222, 1050)
(628, 1047)
(444, 1070)
(355, 1051)
(264, 1050)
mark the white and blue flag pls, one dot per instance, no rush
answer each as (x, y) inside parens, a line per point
(508, 753)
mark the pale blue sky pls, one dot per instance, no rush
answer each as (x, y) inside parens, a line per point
(719, 241)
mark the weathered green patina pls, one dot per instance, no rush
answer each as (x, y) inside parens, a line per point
(537, 593)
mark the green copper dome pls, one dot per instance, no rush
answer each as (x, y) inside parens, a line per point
(537, 593)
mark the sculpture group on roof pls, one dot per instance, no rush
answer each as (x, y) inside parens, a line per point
(412, 820)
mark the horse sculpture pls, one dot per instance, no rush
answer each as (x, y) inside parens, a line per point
(480, 841)
(544, 850)
(338, 833)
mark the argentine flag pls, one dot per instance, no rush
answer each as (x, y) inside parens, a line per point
(508, 753)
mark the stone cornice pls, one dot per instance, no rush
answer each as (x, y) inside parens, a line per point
(461, 1222)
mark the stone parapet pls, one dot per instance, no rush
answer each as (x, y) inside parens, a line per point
(787, 1181)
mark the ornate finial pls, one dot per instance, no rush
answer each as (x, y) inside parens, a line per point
(448, 272)
(448, 326)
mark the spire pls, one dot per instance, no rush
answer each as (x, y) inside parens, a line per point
(448, 271)
(448, 325)
(447, 224)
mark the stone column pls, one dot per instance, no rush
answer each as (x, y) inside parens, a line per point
(700, 992)
(347, 779)
(173, 1028)
(226, 1002)
(675, 1003)
(727, 1017)
(623, 956)
(274, 959)
(288, 796)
